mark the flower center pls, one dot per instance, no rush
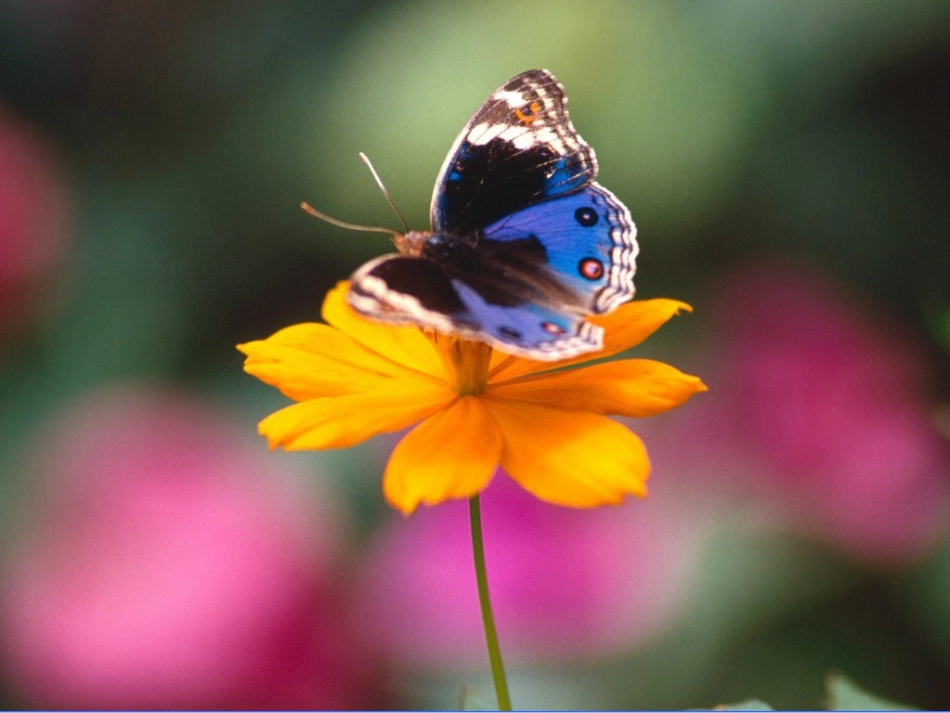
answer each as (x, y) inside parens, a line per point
(466, 362)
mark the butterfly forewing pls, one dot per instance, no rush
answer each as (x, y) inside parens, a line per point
(518, 149)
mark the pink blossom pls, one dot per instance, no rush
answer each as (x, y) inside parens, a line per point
(564, 583)
(825, 409)
(171, 564)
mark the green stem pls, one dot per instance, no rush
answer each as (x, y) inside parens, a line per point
(491, 636)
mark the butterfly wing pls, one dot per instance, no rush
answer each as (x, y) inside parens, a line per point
(524, 286)
(518, 149)
(409, 290)
(524, 243)
(589, 242)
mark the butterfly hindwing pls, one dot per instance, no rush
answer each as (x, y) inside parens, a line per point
(408, 290)
(518, 149)
(589, 243)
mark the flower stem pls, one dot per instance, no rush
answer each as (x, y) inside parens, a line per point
(488, 619)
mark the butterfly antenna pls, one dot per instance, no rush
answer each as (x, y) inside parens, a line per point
(379, 182)
(348, 226)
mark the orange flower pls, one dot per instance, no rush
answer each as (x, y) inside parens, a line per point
(476, 408)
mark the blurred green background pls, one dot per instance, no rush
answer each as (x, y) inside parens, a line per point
(182, 137)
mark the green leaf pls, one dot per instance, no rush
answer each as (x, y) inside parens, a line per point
(753, 704)
(843, 695)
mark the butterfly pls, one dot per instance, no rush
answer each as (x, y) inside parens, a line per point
(524, 244)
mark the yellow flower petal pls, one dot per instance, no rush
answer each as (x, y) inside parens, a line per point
(632, 322)
(452, 454)
(406, 345)
(309, 360)
(624, 328)
(569, 458)
(343, 421)
(475, 408)
(630, 387)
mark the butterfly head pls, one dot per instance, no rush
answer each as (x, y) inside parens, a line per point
(412, 242)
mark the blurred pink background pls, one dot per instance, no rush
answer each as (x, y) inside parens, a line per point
(787, 167)
(171, 564)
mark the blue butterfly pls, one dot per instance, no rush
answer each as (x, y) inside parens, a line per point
(524, 244)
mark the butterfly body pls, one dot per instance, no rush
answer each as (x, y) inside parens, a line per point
(524, 244)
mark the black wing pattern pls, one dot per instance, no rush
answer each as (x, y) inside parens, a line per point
(518, 149)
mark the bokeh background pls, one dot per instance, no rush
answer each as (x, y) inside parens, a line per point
(787, 166)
